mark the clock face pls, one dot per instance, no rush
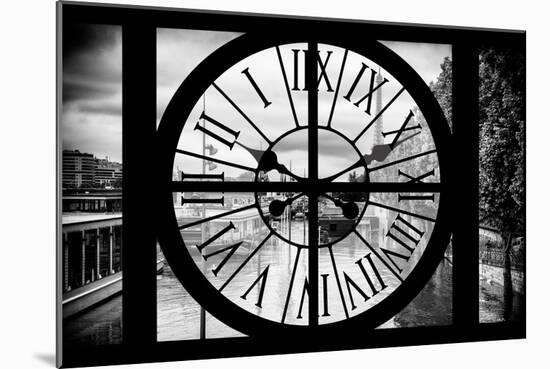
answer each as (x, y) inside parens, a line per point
(303, 184)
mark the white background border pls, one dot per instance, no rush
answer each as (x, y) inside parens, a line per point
(27, 182)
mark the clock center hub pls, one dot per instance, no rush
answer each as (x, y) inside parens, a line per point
(288, 213)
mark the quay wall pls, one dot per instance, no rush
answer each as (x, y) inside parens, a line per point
(494, 274)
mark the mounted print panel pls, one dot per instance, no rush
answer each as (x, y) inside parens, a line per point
(287, 191)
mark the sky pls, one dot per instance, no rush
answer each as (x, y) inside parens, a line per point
(91, 118)
(92, 95)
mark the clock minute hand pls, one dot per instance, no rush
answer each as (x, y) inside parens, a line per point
(277, 207)
(378, 153)
(349, 209)
(267, 160)
(381, 152)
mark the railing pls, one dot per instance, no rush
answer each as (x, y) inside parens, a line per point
(496, 257)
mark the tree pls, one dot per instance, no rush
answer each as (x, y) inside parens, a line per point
(245, 177)
(502, 148)
(502, 140)
(502, 134)
(443, 88)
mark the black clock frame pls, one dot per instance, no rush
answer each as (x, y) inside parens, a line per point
(139, 26)
(174, 248)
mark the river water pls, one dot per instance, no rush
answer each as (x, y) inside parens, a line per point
(178, 313)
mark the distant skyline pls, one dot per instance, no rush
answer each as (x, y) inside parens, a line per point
(91, 118)
(95, 156)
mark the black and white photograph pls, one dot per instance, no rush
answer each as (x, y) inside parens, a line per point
(306, 186)
(233, 184)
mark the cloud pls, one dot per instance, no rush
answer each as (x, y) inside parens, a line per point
(426, 59)
(82, 38)
(179, 51)
(102, 108)
(92, 89)
(275, 120)
(77, 89)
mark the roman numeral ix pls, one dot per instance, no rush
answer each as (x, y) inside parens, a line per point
(418, 179)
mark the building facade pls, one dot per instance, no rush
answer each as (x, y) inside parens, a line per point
(82, 170)
(78, 169)
(108, 174)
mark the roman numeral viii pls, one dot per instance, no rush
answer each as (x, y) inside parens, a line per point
(400, 231)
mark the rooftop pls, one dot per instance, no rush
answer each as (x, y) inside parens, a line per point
(72, 218)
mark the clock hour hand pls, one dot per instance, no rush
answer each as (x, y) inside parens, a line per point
(381, 152)
(267, 160)
(277, 207)
(350, 209)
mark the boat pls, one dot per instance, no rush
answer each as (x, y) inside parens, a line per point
(160, 266)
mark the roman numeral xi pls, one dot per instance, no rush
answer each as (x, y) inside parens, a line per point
(229, 135)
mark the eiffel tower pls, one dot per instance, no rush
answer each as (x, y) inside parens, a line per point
(378, 139)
